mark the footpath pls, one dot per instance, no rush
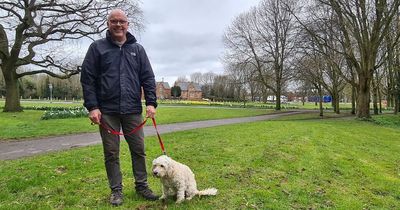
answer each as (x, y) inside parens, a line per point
(17, 149)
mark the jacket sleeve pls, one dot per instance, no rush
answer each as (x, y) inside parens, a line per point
(147, 79)
(89, 76)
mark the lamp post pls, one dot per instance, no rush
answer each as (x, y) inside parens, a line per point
(51, 92)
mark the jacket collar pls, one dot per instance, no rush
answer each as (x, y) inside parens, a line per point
(130, 39)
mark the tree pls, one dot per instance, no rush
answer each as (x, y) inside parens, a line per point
(275, 26)
(321, 43)
(264, 40)
(33, 33)
(176, 91)
(2, 85)
(205, 80)
(223, 88)
(182, 79)
(310, 70)
(196, 77)
(364, 25)
(392, 66)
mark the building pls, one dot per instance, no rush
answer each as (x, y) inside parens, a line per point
(190, 91)
(163, 91)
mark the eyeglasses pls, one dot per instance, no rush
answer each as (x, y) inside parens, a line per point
(120, 22)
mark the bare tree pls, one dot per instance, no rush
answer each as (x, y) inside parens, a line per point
(364, 24)
(264, 40)
(275, 26)
(392, 67)
(239, 81)
(222, 88)
(310, 69)
(196, 77)
(320, 36)
(243, 48)
(205, 80)
(182, 79)
(32, 33)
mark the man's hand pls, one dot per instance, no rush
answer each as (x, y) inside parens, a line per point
(95, 116)
(150, 111)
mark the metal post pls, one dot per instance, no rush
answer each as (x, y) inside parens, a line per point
(51, 92)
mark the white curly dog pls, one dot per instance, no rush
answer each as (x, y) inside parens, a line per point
(177, 179)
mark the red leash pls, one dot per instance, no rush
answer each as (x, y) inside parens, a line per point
(114, 132)
(159, 137)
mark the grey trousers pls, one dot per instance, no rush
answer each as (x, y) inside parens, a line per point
(111, 148)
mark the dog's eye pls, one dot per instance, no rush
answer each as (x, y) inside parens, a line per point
(162, 166)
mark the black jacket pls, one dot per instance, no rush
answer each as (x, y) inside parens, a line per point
(112, 77)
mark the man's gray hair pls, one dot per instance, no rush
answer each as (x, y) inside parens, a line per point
(116, 11)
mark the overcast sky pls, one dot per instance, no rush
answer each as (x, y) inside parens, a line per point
(185, 36)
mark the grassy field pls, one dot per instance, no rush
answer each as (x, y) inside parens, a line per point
(30, 103)
(299, 162)
(27, 124)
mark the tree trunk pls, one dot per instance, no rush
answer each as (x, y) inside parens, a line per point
(363, 98)
(379, 99)
(278, 99)
(335, 101)
(353, 100)
(12, 92)
(321, 109)
(375, 97)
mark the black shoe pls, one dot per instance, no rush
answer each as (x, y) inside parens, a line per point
(116, 197)
(147, 194)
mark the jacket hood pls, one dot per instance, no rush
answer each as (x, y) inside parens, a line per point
(130, 39)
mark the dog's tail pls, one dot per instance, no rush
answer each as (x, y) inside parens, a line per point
(209, 191)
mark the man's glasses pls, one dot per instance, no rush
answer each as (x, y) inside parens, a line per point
(120, 22)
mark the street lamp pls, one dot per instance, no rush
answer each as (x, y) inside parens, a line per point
(51, 91)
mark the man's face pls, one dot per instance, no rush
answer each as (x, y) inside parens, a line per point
(118, 26)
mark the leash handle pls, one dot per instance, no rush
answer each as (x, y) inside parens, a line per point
(159, 137)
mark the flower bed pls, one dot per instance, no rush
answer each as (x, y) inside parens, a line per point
(65, 113)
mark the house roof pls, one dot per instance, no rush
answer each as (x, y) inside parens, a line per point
(165, 84)
(185, 85)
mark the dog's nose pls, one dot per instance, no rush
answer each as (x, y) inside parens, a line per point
(155, 173)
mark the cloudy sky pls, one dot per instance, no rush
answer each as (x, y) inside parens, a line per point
(185, 36)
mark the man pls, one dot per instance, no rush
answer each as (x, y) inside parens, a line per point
(114, 72)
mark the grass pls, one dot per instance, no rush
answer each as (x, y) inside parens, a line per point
(27, 124)
(41, 103)
(387, 120)
(289, 163)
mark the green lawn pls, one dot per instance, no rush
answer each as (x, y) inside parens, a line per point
(41, 103)
(288, 163)
(27, 124)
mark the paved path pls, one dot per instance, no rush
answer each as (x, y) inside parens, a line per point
(17, 149)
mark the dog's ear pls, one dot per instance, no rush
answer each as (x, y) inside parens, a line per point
(169, 167)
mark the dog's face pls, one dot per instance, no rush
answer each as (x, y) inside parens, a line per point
(161, 166)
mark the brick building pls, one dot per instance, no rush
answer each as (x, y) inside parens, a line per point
(190, 90)
(163, 91)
